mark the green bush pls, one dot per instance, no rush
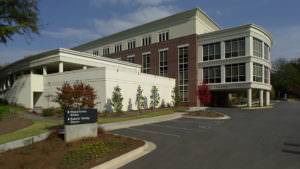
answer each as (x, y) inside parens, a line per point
(106, 112)
(49, 112)
(117, 100)
(3, 102)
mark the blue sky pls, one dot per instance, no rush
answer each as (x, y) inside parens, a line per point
(68, 23)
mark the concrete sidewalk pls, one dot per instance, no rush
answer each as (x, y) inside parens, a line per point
(35, 117)
(139, 122)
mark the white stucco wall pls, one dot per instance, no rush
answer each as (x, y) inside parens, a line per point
(21, 92)
(129, 82)
(93, 77)
(103, 80)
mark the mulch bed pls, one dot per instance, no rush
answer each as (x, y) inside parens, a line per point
(204, 113)
(11, 123)
(54, 153)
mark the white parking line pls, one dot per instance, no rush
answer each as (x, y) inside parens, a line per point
(153, 132)
(173, 127)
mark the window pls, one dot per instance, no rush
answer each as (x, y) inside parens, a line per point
(147, 41)
(257, 47)
(105, 51)
(164, 36)
(266, 51)
(118, 48)
(95, 53)
(146, 63)
(267, 75)
(163, 63)
(131, 44)
(257, 72)
(235, 72)
(235, 48)
(130, 59)
(211, 51)
(183, 73)
(212, 74)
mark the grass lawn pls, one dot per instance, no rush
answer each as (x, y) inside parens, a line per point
(38, 127)
(5, 110)
(118, 119)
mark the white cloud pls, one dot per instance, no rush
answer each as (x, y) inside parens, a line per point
(140, 16)
(286, 42)
(9, 55)
(73, 34)
(102, 3)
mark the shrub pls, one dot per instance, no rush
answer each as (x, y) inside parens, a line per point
(77, 96)
(52, 111)
(48, 112)
(106, 112)
(3, 102)
(117, 99)
(100, 131)
(204, 93)
(176, 98)
(154, 97)
(139, 98)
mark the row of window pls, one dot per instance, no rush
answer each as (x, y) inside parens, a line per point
(211, 51)
(234, 48)
(258, 72)
(163, 36)
(233, 73)
(163, 68)
(257, 49)
(236, 73)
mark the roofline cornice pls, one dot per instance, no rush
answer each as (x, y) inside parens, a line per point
(57, 51)
(247, 26)
(170, 19)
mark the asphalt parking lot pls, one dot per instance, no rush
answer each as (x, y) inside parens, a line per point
(251, 139)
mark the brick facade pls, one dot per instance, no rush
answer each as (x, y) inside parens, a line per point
(172, 46)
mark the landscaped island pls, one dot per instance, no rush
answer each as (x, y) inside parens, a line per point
(55, 153)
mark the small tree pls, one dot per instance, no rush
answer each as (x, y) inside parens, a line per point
(154, 97)
(77, 96)
(176, 98)
(204, 93)
(139, 98)
(117, 99)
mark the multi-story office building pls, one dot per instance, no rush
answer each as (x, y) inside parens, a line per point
(189, 47)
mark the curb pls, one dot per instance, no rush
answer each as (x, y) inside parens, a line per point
(23, 142)
(128, 157)
(107, 127)
(254, 108)
(208, 118)
(139, 122)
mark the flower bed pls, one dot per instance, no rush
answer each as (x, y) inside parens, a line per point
(55, 153)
